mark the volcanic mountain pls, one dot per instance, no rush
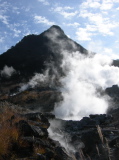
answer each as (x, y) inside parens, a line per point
(36, 59)
(34, 52)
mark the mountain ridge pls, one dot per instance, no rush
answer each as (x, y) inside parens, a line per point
(30, 54)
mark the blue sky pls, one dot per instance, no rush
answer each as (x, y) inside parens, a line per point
(92, 23)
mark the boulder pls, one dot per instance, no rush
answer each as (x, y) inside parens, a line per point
(61, 154)
(36, 117)
(101, 118)
(114, 142)
(90, 139)
(41, 131)
(40, 157)
(49, 115)
(25, 129)
(49, 154)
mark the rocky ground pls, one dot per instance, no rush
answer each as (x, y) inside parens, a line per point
(30, 131)
(25, 136)
(95, 137)
(34, 135)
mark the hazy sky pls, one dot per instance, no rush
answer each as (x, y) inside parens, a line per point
(92, 23)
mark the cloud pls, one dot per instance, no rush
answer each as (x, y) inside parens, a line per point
(74, 24)
(107, 5)
(99, 19)
(68, 8)
(83, 34)
(44, 20)
(68, 14)
(4, 19)
(16, 32)
(16, 10)
(117, 41)
(116, 1)
(44, 2)
(63, 11)
(96, 4)
(98, 24)
(7, 71)
(100, 48)
(1, 39)
(90, 4)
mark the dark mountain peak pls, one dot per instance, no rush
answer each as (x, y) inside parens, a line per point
(54, 32)
(31, 41)
(55, 27)
(33, 52)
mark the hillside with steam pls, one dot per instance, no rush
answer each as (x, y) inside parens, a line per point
(34, 52)
(51, 66)
(36, 61)
(75, 89)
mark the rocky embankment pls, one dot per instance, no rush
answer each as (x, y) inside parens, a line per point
(41, 136)
(42, 99)
(25, 136)
(95, 137)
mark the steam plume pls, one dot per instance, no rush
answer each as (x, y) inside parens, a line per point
(37, 80)
(84, 77)
(7, 71)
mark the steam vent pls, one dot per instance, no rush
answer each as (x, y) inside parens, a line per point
(58, 101)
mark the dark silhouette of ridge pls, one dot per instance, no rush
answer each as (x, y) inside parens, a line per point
(33, 52)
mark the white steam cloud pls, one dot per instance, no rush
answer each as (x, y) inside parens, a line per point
(84, 78)
(41, 80)
(7, 71)
(37, 80)
(56, 133)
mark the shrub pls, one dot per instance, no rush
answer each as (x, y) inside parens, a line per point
(9, 134)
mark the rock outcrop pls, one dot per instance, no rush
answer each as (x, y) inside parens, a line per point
(28, 138)
(41, 136)
(94, 137)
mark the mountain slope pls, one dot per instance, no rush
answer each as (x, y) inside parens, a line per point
(33, 52)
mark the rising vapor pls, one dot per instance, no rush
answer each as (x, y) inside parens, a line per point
(38, 79)
(7, 71)
(85, 80)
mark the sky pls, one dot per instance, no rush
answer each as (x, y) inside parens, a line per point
(94, 24)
